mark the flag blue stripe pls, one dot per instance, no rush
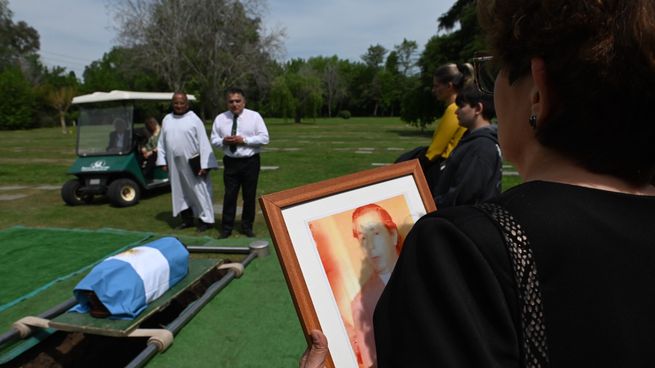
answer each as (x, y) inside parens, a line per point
(117, 286)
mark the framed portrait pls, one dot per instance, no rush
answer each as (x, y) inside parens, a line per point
(338, 241)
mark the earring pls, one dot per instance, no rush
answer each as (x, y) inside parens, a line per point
(533, 121)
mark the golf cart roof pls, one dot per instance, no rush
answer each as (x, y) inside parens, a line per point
(125, 95)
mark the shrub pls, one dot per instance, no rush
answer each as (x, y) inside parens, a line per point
(17, 101)
(344, 114)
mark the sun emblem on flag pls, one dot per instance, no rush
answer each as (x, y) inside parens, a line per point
(131, 252)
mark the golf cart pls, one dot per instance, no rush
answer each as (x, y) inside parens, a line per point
(111, 166)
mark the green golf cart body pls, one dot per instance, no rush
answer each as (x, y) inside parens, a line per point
(104, 169)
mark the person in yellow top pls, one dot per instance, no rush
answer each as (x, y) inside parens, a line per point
(448, 79)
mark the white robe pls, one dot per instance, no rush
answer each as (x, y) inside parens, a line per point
(182, 137)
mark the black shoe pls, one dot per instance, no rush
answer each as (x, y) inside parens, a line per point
(187, 219)
(248, 233)
(204, 226)
(184, 225)
(224, 234)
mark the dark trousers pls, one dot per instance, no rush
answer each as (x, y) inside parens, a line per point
(240, 173)
(148, 165)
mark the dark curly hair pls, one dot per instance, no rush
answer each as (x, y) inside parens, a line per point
(600, 60)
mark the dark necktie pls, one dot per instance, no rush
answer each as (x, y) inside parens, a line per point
(233, 147)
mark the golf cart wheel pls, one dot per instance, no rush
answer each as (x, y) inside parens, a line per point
(70, 193)
(124, 192)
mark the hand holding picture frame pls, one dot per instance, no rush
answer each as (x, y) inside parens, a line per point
(337, 241)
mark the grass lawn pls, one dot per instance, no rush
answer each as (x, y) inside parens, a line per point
(33, 167)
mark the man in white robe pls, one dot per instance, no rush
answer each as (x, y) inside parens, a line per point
(182, 137)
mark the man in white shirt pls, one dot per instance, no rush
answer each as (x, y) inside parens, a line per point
(240, 132)
(183, 136)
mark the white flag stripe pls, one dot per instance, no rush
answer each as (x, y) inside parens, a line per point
(151, 266)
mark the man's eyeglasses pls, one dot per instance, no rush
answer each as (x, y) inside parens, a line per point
(486, 71)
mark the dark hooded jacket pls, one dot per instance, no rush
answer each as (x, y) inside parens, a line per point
(473, 172)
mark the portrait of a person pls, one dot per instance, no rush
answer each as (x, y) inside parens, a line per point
(380, 240)
(358, 249)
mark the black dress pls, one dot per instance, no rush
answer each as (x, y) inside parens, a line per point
(451, 300)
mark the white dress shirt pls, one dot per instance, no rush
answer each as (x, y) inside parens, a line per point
(250, 126)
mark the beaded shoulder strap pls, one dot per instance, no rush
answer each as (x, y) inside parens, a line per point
(535, 347)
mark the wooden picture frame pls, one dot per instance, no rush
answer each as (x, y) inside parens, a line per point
(313, 232)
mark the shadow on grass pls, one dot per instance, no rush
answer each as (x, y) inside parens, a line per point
(155, 192)
(103, 200)
(167, 218)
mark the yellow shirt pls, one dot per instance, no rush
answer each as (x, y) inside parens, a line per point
(446, 135)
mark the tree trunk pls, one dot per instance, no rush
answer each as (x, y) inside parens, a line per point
(62, 122)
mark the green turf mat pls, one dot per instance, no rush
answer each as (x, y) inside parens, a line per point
(251, 323)
(33, 258)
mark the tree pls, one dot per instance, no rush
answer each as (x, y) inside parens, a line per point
(306, 89)
(56, 89)
(334, 88)
(17, 100)
(459, 46)
(105, 74)
(204, 45)
(297, 91)
(282, 102)
(373, 59)
(406, 55)
(329, 70)
(374, 56)
(61, 99)
(17, 40)
(32, 93)
(389, 91)
(118, 70)
(393, 84)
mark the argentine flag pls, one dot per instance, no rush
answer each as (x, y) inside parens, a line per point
(127, 282)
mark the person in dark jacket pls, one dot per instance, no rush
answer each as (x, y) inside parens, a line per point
(120, 139)
(473, 172)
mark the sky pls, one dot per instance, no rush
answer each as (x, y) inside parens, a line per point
(74, 33)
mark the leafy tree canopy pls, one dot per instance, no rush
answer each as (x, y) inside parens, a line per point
(17, 40)
(203, 45)
(457, 46)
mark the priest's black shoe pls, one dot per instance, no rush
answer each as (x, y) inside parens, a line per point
(248, 233)
(187, 219)
(224, 234)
